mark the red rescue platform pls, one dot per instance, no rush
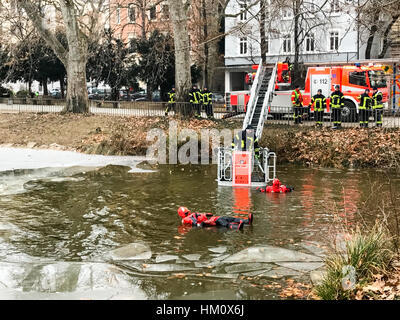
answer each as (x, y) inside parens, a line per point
(242, 168)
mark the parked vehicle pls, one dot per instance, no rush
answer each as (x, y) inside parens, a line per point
(156, 97)
(352, 79)
(55, 93)
(5, 93)
(99, 94)
(218, 97)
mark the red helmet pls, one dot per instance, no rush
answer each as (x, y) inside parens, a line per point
(183, 212)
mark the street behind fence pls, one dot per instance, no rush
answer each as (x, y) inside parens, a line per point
(276, 115)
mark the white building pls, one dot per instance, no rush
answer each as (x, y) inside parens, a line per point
(327, 34)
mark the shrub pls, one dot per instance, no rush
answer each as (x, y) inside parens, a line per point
(366, 254)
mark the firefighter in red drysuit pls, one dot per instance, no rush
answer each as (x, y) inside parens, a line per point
(277, 187)
(209, 220)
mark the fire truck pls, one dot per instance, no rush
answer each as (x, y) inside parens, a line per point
(352, 79)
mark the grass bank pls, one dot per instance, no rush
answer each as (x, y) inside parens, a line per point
(111, 135)
(363, 262)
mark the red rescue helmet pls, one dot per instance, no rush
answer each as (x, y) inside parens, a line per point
(183, 212)
(276, 183)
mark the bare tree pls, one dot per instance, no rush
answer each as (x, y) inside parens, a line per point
(81, 21)
(377, 18)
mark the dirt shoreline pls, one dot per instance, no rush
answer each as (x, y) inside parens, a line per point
(110, 135)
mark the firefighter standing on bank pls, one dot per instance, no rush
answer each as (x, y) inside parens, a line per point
(171, 101)
(195, 101)
(377, 106)
(364, 108)
(297, 103)
(337, 103)
(319, 102)
(207, 102)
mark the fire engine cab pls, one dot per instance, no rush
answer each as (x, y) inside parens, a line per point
(352, 79)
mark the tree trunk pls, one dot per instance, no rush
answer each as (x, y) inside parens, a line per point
(370, 41)
(213, 26)
(45, 88)
(205, 30)
(296, 12)
(183, 80)
(62, 89)
(386, 42)
(77, 96)
(263, 42)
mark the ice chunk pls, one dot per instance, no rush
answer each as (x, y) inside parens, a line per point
(301, 266)
(270, 254)
(133, 251)
(192, 257)
(165, 257)
(280, 273)
(245, 267)
(218, 249)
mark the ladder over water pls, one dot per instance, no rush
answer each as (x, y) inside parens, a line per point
(264, 169)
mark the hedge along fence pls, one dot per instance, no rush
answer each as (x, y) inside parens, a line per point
(353, 147)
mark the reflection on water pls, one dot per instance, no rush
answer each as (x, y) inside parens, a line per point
(81, 219)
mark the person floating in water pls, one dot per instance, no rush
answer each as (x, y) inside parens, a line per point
(276, 187)
(209, 220)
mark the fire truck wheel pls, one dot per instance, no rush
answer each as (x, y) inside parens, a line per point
(349, 112)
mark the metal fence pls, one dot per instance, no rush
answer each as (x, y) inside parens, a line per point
(390, 118)
(276, 115)
(113, 108)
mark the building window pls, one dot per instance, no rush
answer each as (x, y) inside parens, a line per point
(243, 11)
(153, 14)
(312, 8)
(334, 41)
(165, 11)
(335, 6)
(287, 44)
(310, 43)
(287, 13)
(131, 12)
(243, 46)
(118, 15)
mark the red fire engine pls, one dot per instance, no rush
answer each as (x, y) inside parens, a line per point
(352, 79)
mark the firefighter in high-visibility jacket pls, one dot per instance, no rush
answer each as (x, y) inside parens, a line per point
(171, 101)
(377, 106)
(319, 103)
(195, 100)
(246, 140)
(337, 103)
(364, 108)
(297, 103)
(207, 102)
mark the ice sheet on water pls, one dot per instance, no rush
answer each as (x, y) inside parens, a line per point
(16, 158)
(65, 279)
(19, 166)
